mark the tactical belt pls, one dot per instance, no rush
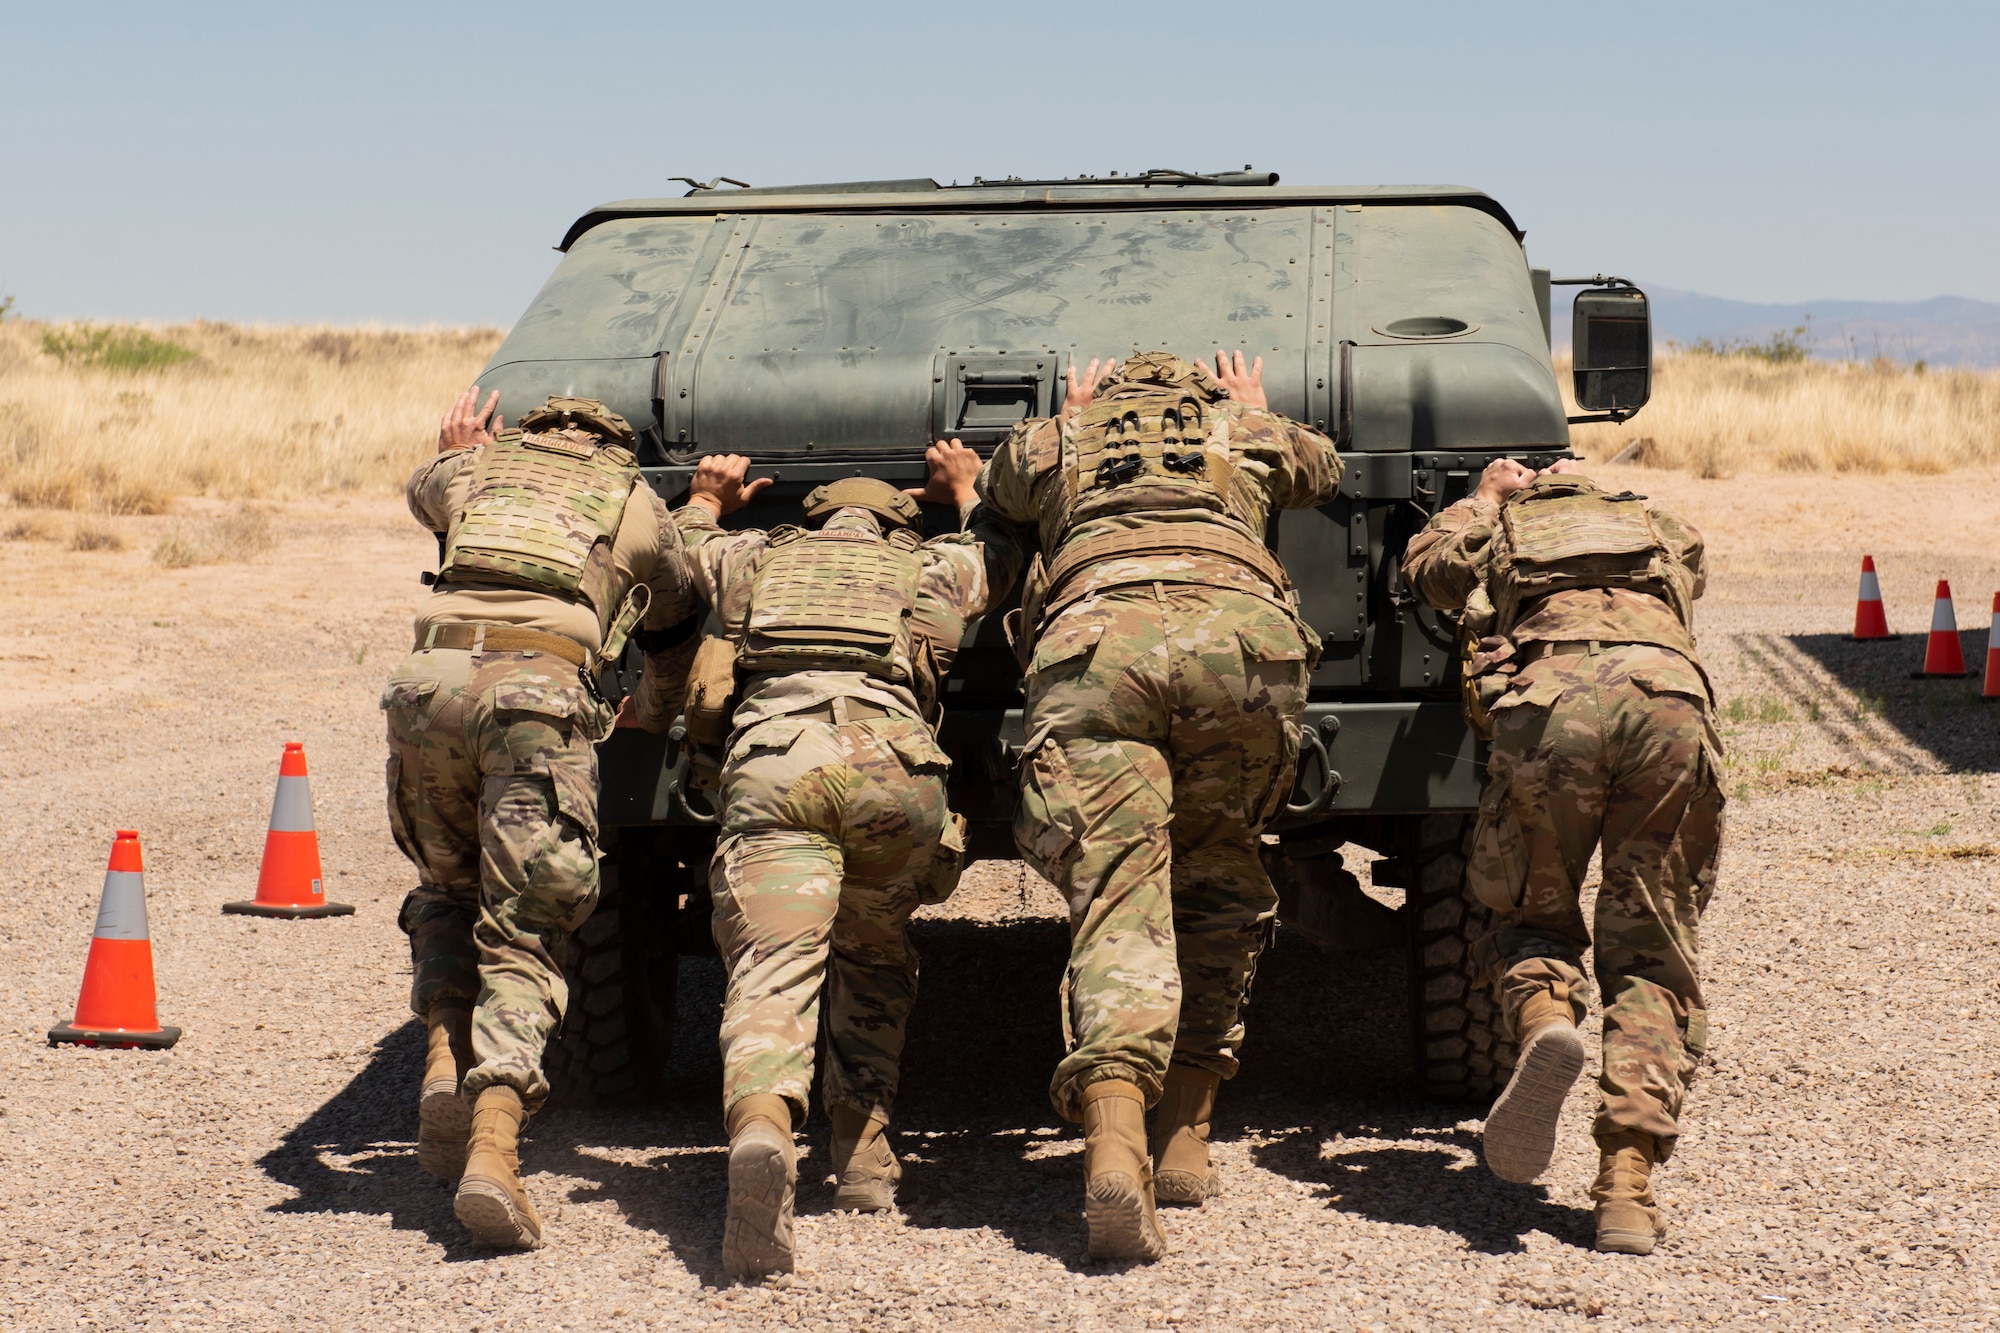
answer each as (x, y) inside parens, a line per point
(483, 638)
(1161, 539)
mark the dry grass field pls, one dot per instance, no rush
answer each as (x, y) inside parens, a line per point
(121, 420)
(1716, 416)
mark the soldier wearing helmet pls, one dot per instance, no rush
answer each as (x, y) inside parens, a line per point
(827, 647)
(1577, 629)
(554, 551)
(1167, 669)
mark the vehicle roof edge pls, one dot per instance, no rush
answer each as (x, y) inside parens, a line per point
(998, 197)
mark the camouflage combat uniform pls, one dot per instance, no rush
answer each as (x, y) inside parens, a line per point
(1603, 732)
(1164, 696)
(492, 758)
(834, 823)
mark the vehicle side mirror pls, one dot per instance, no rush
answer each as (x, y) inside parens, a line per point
(1611, 350)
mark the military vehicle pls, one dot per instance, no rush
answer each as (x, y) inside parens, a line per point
(836, 330)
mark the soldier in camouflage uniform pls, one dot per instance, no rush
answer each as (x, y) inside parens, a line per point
(554, 549)
(834, 823)
(1165, 688)
(1581, 666)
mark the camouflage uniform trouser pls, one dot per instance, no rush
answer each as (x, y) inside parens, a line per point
(1163, 730)
(1612, 745)
(832, 835)
(493, 794)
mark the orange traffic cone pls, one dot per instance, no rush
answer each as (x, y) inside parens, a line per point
(290, 883)
(1991, 692)
(1870, 622)
(117, 1005)
(1941, 655)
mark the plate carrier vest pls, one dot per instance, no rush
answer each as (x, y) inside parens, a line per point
(542, 514)
(836, 599)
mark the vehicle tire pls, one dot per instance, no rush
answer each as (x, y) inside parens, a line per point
(1462, 1047)
(623, 971)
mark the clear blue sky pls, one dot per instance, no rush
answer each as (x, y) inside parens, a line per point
(412, 163)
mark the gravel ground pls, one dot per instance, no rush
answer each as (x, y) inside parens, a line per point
(1837, 1170)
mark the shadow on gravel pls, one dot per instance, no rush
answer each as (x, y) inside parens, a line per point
(1420, 1186)
(1327, 1052)
(357, 1153)
(1944, 717)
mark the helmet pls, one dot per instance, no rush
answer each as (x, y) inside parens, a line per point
(877, 497)
(561, 412)
(1152, 371)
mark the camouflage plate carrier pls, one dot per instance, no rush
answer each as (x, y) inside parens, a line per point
(542, 514)
(1554, 536)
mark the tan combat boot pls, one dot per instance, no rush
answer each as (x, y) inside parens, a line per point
(763, 1174)
(864, 1162)
(1628, 1221)
(491, 1201)
(1118, 1176)
(1181, 1169)
(1520, 1134)
(443, 1118)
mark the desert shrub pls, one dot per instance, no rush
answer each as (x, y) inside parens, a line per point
(113, 347)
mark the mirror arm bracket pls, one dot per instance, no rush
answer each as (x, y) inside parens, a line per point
(1619, 414)
(1595, 280)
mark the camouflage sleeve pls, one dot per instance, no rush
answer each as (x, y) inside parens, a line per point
(1684, 542)
(972, 571)
(719, 561)
(430, 486)
(1031, 453)
(1305, 469)
(671, 581)
(1445, 562)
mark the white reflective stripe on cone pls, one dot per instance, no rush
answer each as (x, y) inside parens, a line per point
(1871, 588)
(121, 912)
(292, 807)
(1941, 617)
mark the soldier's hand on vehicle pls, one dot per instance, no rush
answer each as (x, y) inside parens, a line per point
(467, 425)
(1563, 467)
(1502, 477)
(1245, 385)
(954, 468)
(718, 484)
(1082, 391)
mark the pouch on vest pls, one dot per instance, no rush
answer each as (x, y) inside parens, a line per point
(710, 701)
(541, 514)
(834, 600)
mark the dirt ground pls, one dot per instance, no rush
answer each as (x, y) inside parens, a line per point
(1837, 1171)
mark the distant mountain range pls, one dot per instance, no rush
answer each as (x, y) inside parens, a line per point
(1943, 331)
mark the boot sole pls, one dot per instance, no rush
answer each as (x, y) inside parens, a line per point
(1185, 1187)
(1115, 1210)
(488, 1212)
(757, 1233)
(444, 1131)
(1520, 1134)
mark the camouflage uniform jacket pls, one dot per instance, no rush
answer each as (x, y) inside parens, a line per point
(644, 550)
(1278, 464)
(1453, 556)
(964, 576)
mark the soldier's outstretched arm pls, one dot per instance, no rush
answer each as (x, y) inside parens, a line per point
(717, 558)
(463, 428)
(1025, 461)
(1446, 561)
